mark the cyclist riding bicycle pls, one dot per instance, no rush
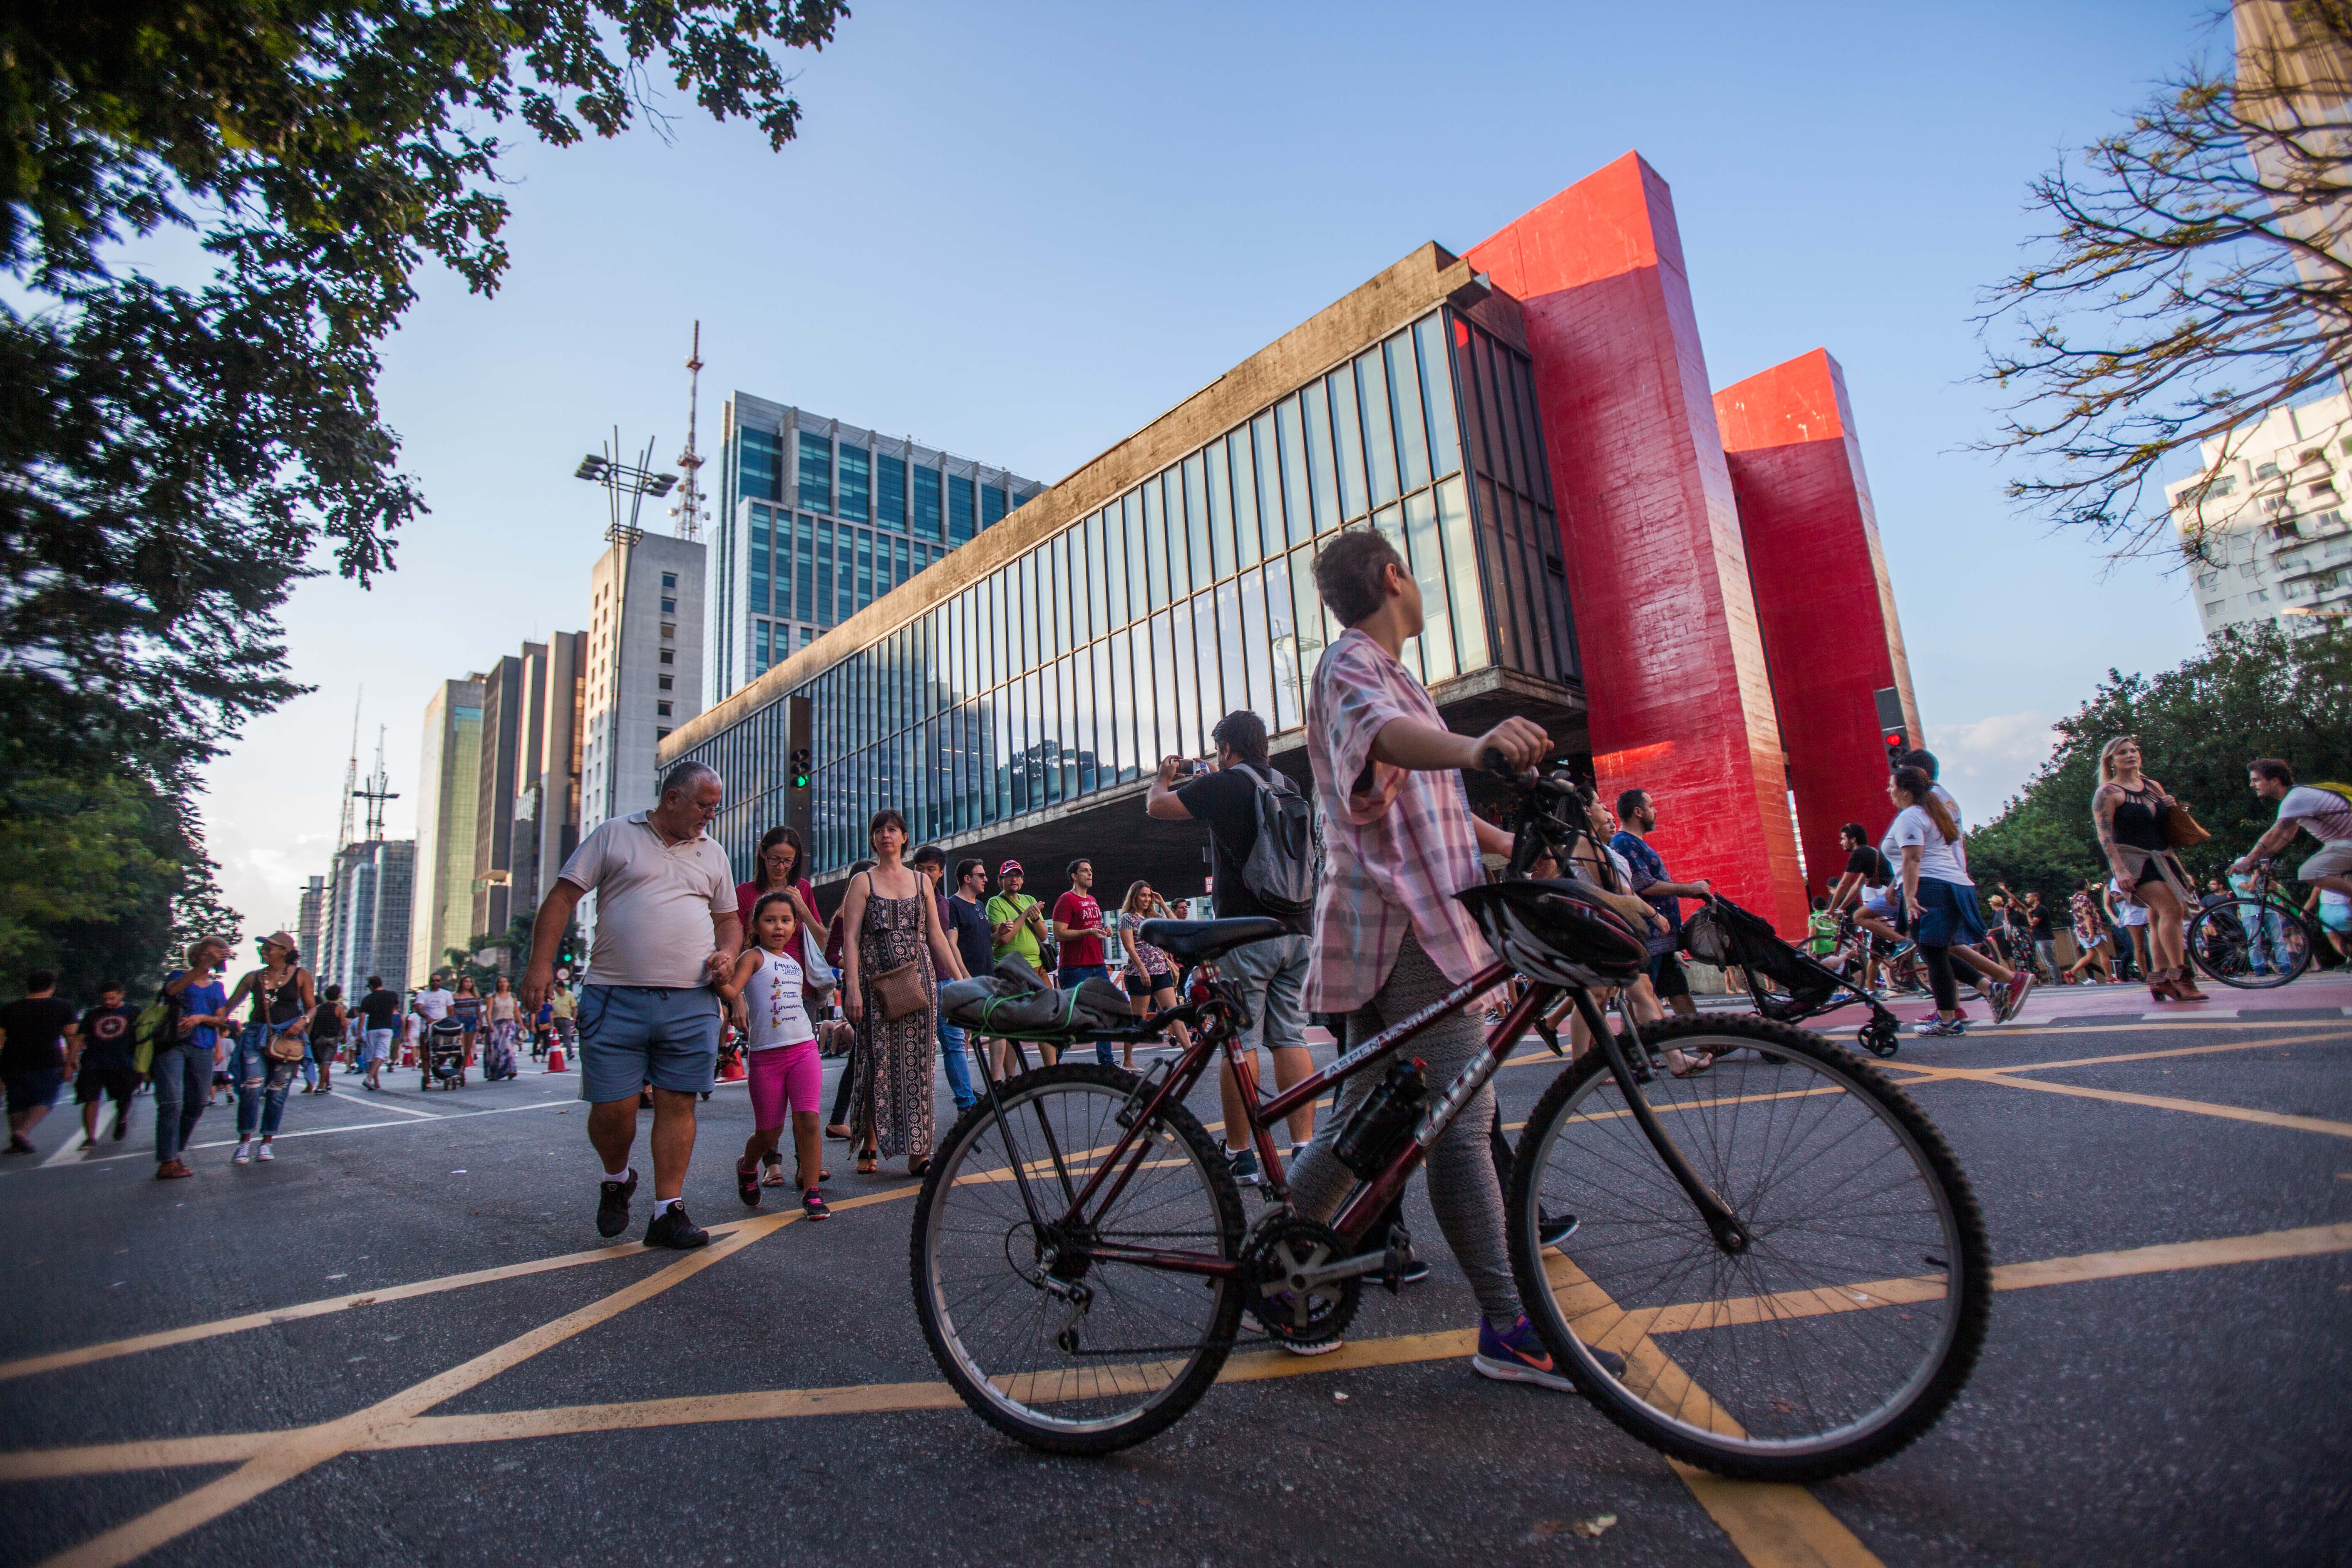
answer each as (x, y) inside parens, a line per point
(2322, 811)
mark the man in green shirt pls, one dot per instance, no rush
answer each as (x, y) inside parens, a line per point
(1016, 925)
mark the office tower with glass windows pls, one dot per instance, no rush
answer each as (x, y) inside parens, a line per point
(364, 917)
(448, 804)
(817, 520)
(1530, 423)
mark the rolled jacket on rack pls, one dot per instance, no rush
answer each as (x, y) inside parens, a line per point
(1011, 1000)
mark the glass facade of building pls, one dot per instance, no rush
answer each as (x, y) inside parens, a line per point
(1071, 669)
(816, 524)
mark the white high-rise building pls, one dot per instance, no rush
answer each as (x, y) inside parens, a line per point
(2264, 531)
(643, 665)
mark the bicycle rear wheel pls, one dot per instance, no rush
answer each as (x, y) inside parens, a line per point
(1849, 1323)
(1068, 1353)
(2250, 944)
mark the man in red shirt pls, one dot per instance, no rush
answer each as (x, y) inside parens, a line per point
(1078, 928)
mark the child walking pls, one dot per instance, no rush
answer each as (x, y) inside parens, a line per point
(764, 993)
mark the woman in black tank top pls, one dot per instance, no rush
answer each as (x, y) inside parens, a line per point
(282, 1006)
(2128, 812)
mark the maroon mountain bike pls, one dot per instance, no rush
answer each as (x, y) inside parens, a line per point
(1779, 1256)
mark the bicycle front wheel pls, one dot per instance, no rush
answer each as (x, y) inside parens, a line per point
(1854, 1313)
(1069, 1351)
(2252, 944)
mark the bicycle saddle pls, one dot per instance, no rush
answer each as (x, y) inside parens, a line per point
(1197, 941)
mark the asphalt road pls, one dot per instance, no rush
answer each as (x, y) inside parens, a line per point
(2175, 1407)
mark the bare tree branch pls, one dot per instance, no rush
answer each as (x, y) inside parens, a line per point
(2196, 273)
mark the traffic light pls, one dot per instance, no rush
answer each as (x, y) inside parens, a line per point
(801, 768)
(1891, 726)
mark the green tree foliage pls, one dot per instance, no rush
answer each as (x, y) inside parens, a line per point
(174, 458)
(2255, 691)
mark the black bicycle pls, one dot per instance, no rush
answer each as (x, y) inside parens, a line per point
(1780, 1271)
(2255, 940)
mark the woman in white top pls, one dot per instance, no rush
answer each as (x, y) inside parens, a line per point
(1939, 901)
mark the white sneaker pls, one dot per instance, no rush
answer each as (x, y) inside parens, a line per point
(267, 1153)
(1325, 1348)
(244, 1152)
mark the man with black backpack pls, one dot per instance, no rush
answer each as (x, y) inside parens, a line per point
(1262, 843)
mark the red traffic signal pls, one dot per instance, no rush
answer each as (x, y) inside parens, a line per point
(1894, 739)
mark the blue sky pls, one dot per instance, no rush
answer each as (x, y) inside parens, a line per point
(1021, 231)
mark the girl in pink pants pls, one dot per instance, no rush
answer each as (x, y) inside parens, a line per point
(764, 993)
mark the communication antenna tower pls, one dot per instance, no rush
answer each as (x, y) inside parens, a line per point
(351, 777)
(688, 509)
(378, 791)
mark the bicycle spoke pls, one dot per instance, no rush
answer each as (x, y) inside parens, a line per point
(1783, 1344)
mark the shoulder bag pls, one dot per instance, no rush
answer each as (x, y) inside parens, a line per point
(896, 993)
(2182, 831)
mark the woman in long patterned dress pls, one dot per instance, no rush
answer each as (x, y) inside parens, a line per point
(895, 916)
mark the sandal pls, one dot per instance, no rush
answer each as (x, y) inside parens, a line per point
(868, 1163)
(837, 1130)
(771, 1171)
(915, 1168)
(1691, 1067)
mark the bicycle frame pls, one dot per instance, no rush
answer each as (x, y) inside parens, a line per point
(1220, 1020)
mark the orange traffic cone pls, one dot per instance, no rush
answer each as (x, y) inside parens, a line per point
(555, 1057)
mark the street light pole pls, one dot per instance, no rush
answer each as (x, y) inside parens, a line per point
(636, 481)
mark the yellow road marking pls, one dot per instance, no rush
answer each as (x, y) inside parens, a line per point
(1250, 1366)
(2153, 1101)
(1920, 1073)
(1774, 1526)
(1931, 1071)
(291, 1454)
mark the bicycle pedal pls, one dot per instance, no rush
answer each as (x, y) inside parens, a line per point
(1398, 1255)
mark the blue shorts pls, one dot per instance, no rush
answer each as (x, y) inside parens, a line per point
(34, 1090)
(1947, 915)
(631, 1036)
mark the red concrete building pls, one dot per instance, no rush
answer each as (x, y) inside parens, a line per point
(1684, 586)
(1731, 599)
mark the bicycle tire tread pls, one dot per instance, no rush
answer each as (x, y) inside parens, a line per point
(1974, 1312)
(1198, 1378)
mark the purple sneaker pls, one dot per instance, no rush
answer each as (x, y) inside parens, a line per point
(1517, 1355)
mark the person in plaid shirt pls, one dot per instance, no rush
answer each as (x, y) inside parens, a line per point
(1390, 936)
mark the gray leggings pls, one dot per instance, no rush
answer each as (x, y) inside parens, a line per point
(1462, 1184)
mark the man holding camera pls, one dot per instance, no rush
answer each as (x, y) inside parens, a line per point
(1272, 973)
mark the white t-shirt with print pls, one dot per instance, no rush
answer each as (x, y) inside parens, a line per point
(772, 1005)
(1938, 860)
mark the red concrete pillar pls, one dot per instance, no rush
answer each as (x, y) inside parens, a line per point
(1821, 593)
(1674, 665)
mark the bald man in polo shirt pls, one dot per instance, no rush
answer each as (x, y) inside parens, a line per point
(667, 931)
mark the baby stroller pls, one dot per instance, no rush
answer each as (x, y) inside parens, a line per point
(1729, 937)
(444, 1054)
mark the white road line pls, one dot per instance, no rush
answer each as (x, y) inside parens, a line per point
(65, 1152)
(386, 1105)
(2175, 1018)
(323, 1131)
